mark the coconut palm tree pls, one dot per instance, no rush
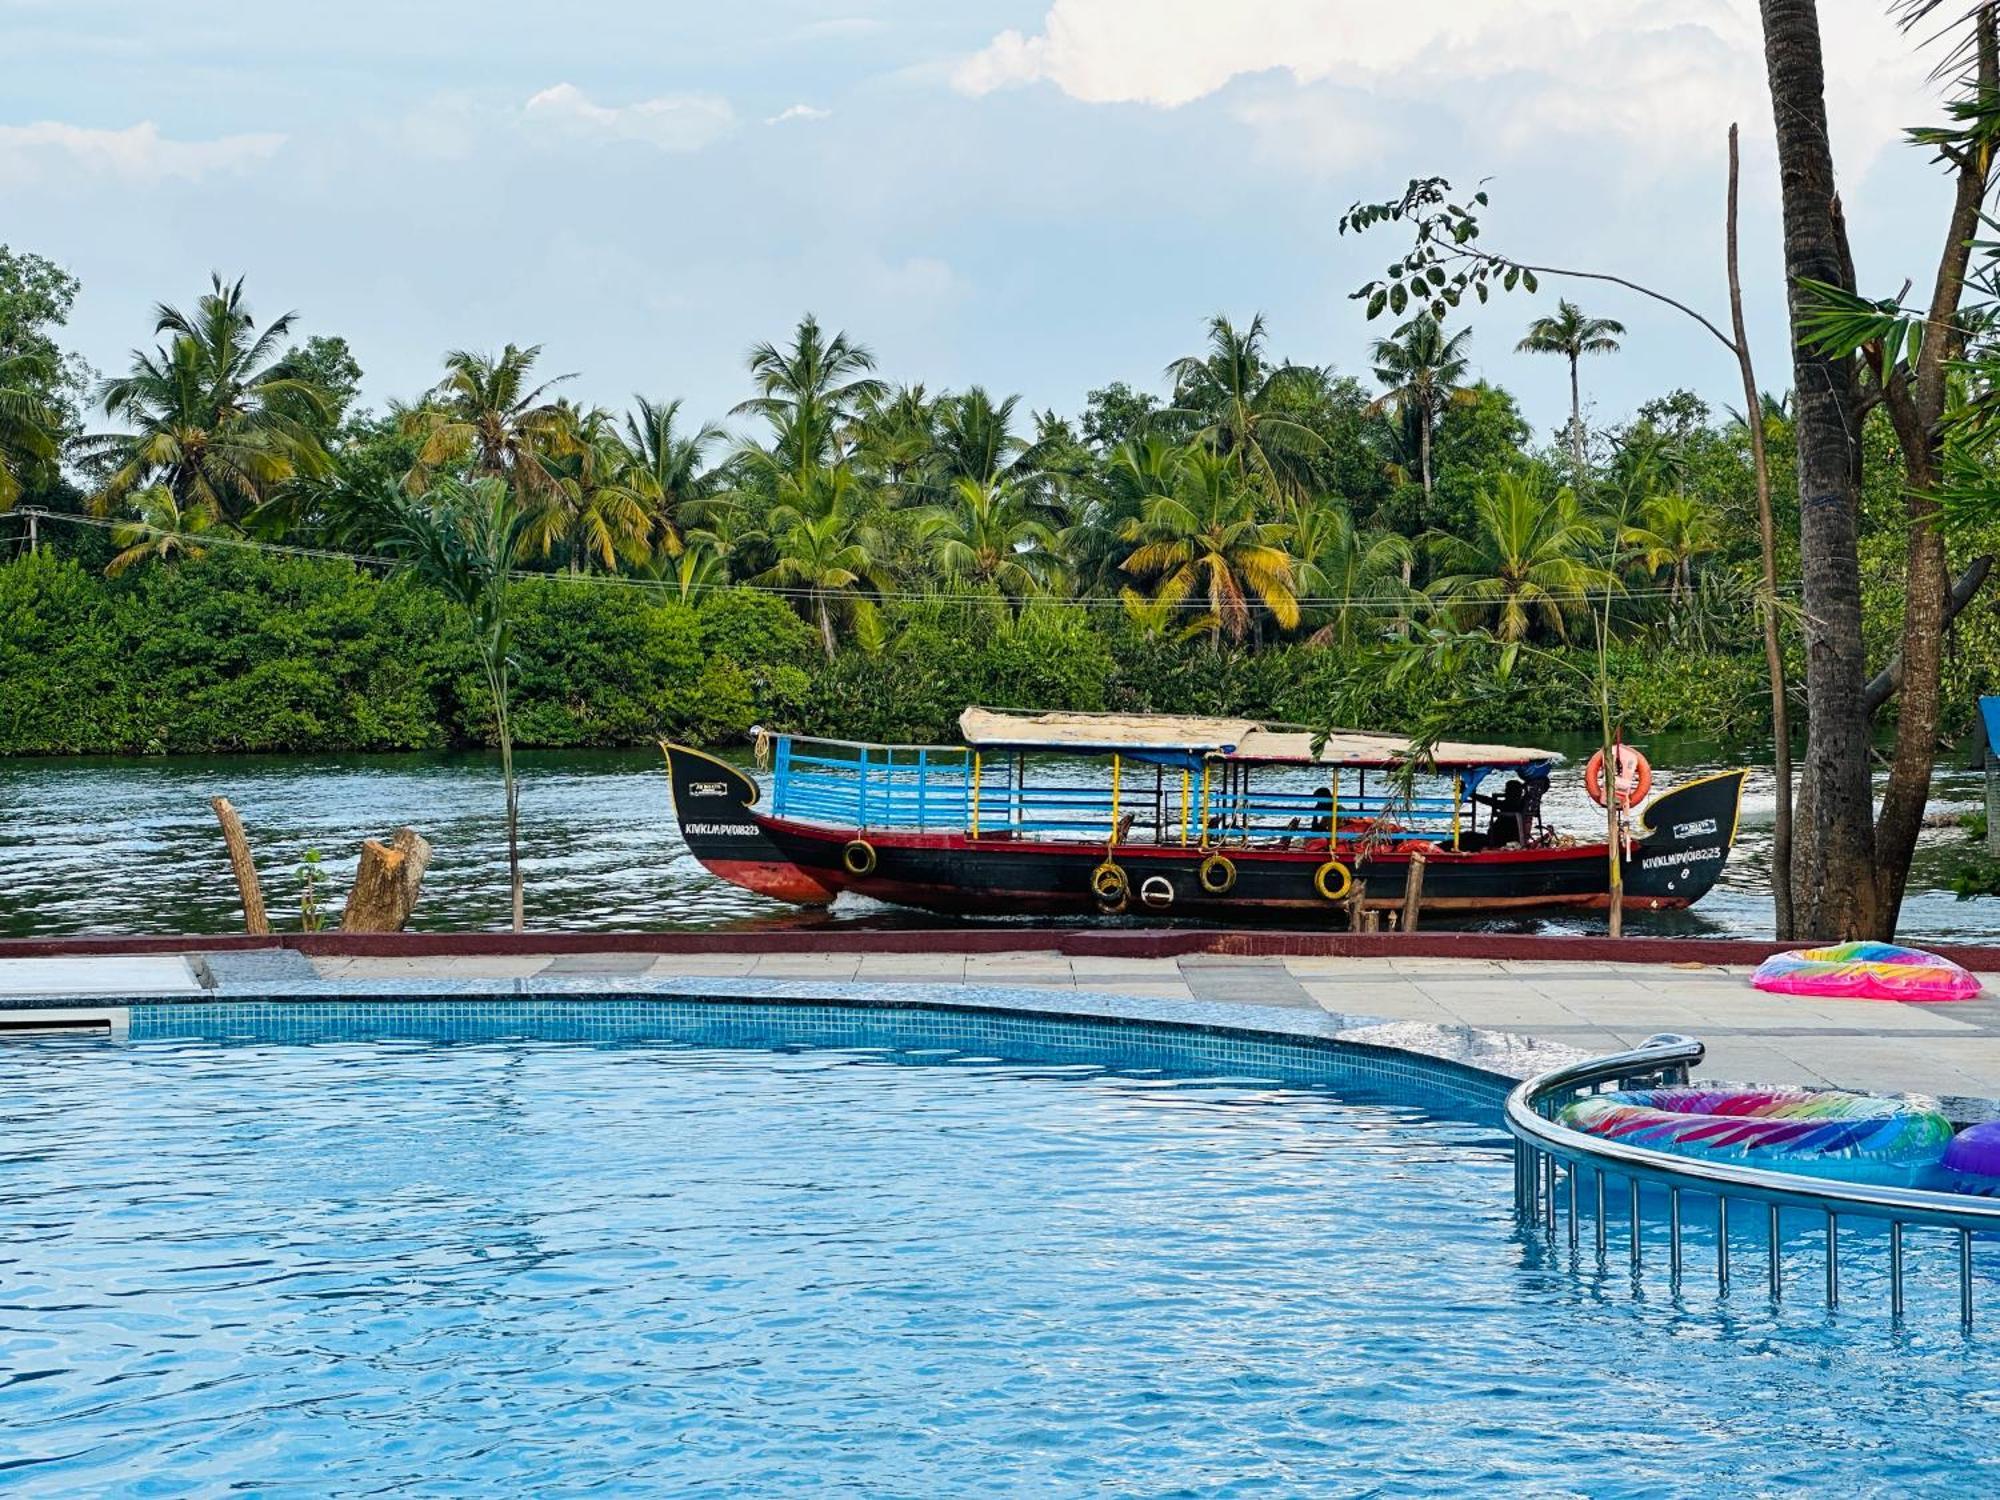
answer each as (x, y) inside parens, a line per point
(217, 415)
(1425, 374)
(588, 512)
(1234, 397)
(1201, 539)
(161, 533)
(987, 533)
(1672, 532)
(894, 435)
(1527, 561)
(1572, 335)
(28, 447)
(1353, 575)
(825, 551)
(975, 438)
(667, 470)
(811, 392)
(465, 540)
(491, 417)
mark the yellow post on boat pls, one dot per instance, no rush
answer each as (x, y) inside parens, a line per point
(1206, 763)
(1457, 798)
(1117, 764)
(1187, 810)
(975, 793)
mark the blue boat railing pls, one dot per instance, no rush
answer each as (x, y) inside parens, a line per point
(952, 789)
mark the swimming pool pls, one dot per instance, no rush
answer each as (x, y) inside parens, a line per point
(344, 1247)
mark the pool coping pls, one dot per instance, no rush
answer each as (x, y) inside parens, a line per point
(1149, 942)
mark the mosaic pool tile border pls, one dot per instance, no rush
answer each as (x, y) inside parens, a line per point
(1011, 1021)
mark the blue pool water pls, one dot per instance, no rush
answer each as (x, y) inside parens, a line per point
(519, 1265)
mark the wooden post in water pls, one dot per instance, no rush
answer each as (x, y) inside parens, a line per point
(387, 883)
(1413, 889)
(254, 920)
(1357, 902)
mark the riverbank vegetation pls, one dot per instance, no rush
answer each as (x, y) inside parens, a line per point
(845, 555)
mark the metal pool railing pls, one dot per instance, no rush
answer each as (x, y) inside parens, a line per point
(1562, 1174)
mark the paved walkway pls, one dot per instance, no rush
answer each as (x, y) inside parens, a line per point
(1951, 1050)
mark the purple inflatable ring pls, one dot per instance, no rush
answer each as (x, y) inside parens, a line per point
(1975, 1151)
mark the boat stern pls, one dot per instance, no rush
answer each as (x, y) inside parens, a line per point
(713, 801)
(1683, 841)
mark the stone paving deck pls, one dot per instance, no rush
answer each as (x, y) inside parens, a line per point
(1751, 1037)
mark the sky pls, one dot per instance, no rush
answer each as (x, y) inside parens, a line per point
(1040, 196)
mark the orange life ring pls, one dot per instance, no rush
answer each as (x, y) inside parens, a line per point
(1635, 777)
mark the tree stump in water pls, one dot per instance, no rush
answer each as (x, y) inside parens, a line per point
(387, 883)
(254, 920)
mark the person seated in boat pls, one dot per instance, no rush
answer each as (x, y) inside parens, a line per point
(1323, 815)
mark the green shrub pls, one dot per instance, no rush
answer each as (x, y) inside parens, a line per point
(239, 652)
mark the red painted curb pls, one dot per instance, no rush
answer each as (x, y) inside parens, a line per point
(1079, 941)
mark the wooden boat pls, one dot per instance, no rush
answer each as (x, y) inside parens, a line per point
(1213, 819)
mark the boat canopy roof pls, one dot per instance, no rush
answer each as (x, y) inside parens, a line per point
(1177, 739)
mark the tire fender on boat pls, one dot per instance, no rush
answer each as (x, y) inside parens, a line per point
(1110, 884)
(1157, 892)
(1333, 880)
(1217, 874)
(857, 857)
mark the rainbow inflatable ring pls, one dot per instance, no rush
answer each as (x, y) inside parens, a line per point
(1866, 971)
(1826, 1134)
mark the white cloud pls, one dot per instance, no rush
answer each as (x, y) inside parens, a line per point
(1660, 73)
(136, 153)
(1315, 130)
(675, 122)
(803, 112)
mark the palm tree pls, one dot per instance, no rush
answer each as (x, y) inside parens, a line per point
(975, 439)
(667, 470)
(1572, 335)
(28, 447)
(489, 415)
(464, 540)
(811, 392)
(1356, 573)
(217, 415)
(988, 534)
(162, 532)
(825, 550)
(1673, 530)
(895, 434)
(588, 511)
(1235, 396)
(1201, 539)
(1425, 373)
(1526, 561)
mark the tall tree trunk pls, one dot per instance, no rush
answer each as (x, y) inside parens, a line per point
(1424, 450)
(1916, 403)
(1834, 885)
(825, 625)
(1767, 542)
(496, 678)
(1575, 427)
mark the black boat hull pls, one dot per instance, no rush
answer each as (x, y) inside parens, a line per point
(1675, 854)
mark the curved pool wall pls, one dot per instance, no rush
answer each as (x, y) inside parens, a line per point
(1463, 1068)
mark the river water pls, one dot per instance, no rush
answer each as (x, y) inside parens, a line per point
(130, 845)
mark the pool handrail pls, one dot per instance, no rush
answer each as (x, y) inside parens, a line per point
(1543, 1147)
